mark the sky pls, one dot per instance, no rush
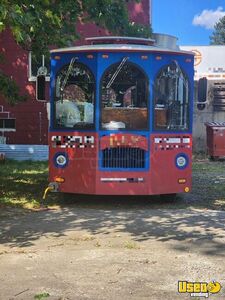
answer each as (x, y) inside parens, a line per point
(191, 21)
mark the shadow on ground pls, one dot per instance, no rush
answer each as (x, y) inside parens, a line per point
(142, 219)
(135, 217)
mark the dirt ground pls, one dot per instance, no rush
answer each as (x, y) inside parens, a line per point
(113, 248)
(112, 253)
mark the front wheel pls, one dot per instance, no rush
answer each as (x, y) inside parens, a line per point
(214, 158)
(168, 197)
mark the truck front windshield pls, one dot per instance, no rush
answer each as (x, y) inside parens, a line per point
(171, 99)
(74, 97)
(124, 98)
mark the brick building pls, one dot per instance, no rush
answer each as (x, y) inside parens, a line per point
(27, 123)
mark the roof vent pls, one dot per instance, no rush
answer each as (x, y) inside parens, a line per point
(165, 41)
(119, 40)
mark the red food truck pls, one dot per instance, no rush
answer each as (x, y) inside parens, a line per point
(121, 117)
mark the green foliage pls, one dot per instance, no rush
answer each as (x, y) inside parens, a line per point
(40, 23)
(218, 36)
(37, 24)
(113, 15)
(10, 90)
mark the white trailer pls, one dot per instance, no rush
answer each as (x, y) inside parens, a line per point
(209, 104)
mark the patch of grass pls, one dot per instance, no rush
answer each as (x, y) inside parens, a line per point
(208, 185)
(131, 245)
(22, 185)
(41, 296)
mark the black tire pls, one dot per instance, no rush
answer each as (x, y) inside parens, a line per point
(168, 197)
(214, 158)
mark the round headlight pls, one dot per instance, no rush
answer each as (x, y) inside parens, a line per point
(60, 160)
(181, 161)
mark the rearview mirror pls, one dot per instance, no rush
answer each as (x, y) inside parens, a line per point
(202, 89)
(202, 93)
(40, 87)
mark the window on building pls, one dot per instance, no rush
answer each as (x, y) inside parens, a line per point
(124, 97)
(36, 64)
(7, 124)
(75, 97)
(171, 99)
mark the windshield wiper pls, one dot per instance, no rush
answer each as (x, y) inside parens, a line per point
(116, 72)
(67, 74)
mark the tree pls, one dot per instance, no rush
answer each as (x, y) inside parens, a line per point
(37, 24)
(218, 36)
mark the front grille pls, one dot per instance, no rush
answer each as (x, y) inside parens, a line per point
(123, 157)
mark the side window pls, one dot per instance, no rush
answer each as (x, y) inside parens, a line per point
(171, 99)
(74, 97)
(7, 124)
(124, 97)
(37, 65)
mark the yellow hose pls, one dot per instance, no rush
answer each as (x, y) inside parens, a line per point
(49, 188)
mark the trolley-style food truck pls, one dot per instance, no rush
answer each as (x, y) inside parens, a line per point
(121, 117)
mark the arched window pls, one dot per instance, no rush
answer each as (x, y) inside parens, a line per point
(74, 97)
(124, 97)
(171, 99)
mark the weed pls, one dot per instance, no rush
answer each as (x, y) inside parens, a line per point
(87, 238)
(97, 244)
(41, 296)
(131, 245)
